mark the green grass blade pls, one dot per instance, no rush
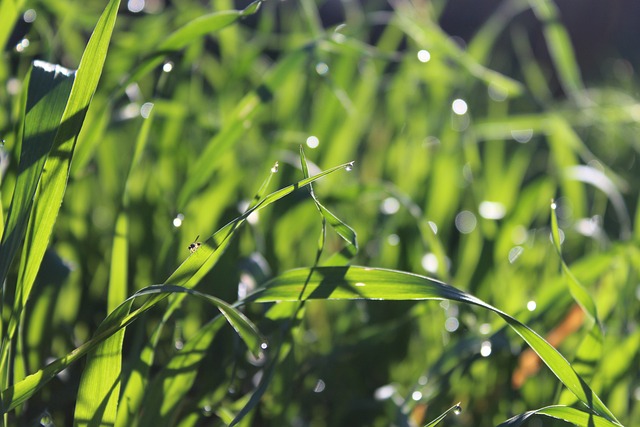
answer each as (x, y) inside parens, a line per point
(343, 230)
(53, 182)
(190, 32)
(579, 293)
(456, 409)
(10, 11)
(98, 393)
(49, 89)
(373, 283)
(188, 274)
(233, 129)
(118, 319)
(559, 45)
(172, 384)
(565, 413)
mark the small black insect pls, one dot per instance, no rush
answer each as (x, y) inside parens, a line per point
(195, 245)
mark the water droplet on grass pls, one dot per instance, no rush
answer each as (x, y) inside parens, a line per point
(313, 141)
(177, 221)
(29, 16)
(457, 409)
(424, 55)
(459, 106)
(322, 68)
(264, 345)
(275, 167)
(349, 166)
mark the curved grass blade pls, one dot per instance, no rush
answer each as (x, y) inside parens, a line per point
(382, 284)
(343, 230)
(104, 366)
(456, 409)
(10, 11)
(118, 319)
(172, 384)
(53, 181)
(187, 34)
(188, 274)
(579, 293)
(136, 384)
(564, 413)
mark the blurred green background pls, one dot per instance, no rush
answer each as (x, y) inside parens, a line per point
(464, 118)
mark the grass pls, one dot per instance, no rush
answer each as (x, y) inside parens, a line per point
(361, 276)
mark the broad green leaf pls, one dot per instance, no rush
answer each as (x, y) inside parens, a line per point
(456, 409)
(381, 284)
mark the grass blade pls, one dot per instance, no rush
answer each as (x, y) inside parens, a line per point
(456, 409)
(565, 413)
(381, 284)
(190, 32)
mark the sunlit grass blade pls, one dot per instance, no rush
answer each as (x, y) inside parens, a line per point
(103, 370)
(53, 182)
(118, 319)
(188, 274)
(343, 230)
(456, 409)
(233, 129)
(49, 89)
(190, 32)
(565, 413)
(381, 284)
(579, 293)
(9, 14)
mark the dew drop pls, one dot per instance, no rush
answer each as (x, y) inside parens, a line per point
(46, 420)
(22, 45)
(515, 253)
(459, 106)
(457, 409)
(485, 349)
(416, 395)
(145, 110)
(320, 386)
(275, 167)
(322, 68)
(554, 206)
(177, 221)
(264, 345)
(531, 305)
(167, 67)
(29, 16)
(349, 166)
(207, 410)
(424, 56)
(313, 141)
(135, 6)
